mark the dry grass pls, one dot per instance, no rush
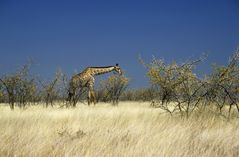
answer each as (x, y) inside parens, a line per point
(131, 129)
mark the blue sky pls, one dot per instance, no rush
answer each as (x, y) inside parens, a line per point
(72, 35)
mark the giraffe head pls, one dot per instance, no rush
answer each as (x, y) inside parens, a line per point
(118, 69)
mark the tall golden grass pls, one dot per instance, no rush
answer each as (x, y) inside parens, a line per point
(132, 129)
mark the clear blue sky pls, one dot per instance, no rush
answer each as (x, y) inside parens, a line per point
(72, 35)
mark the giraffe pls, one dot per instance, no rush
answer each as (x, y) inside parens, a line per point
(86, 79)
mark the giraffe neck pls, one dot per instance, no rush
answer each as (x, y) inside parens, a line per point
(102, 70)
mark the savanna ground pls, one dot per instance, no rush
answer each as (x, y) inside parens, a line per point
(132, 129)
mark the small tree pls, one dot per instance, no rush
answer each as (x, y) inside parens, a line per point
(50, 90)
(114, 86)
(25, 91)
(18, 86)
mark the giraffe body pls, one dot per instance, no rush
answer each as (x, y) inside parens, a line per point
(86, 79)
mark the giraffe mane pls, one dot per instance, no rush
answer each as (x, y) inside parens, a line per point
(102, 67)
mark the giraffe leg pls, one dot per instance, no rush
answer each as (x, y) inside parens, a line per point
(71, 95)
(93, 97)
(89, 97)
(74, 100)
(91, 91)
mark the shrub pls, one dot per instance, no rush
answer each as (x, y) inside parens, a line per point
(175, 83)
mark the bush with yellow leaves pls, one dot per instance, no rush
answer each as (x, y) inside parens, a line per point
(223, 85)
(175, 83)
